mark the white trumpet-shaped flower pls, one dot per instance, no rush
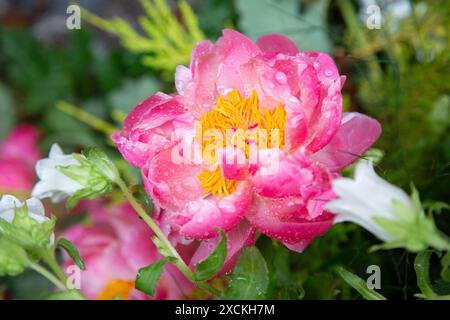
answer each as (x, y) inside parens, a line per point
(29, 216)
(8, 205)
(386, 211)
(53, 183)
(366, 197)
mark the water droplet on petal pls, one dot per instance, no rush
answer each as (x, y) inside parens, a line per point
(281, 78)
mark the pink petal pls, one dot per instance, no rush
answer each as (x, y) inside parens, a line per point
(309, 91)
(134, 118)
(183, 76)
(354, 137)
(206, 215)
(202, 48)
(233, 163)
(149, 128)
(234, 50)
(15, 176)
(277, 176)
(117, 265)
(89, 241)
(21, 144)
(298, 246)
(131, 232)
(325, 66)
(296, 176)
(271, 85)
(286, 219)
(93, 279)
(172, 185)
(201, 92)
(277, 43)
(326, 121)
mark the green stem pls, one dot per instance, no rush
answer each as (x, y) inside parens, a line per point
(89, 119)
(54, 266)
(62, 278)
(351, 19)
(48, 275)
(182, 266)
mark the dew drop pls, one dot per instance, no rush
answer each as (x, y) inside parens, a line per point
(281, 77)
(328, 73)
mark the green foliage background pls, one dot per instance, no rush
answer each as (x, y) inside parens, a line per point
(399, 74)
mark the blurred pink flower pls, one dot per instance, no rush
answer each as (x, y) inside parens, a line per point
(114, 247)
(18, 155)
(235, 85)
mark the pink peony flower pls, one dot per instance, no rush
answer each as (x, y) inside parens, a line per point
(114, 247)
(282, 107)
(18, 155)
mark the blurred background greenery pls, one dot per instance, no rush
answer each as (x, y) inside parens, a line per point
(127, 50)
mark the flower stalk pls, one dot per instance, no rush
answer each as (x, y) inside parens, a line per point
(47, 274)
(162, 241)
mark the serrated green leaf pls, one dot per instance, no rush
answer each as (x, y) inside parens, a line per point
(72, 251)
(359, 285)
(209, 267)
(250, 277)
(147, 277)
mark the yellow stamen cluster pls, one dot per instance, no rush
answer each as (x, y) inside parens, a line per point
(239, 122)
(116, 289)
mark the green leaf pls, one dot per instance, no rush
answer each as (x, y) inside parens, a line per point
(6, 110)
(250, 277)
(359, 285)
(13, 258)
(308, 29)
(64, 295)
(209, 267)
(131, 93)
(141, 195)
(147, 277)
(72, 251)
(422, 267)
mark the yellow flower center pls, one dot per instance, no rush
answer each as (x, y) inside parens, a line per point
(238, 122)
(116, 289)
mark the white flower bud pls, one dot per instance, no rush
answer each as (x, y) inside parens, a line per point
(53, 183)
